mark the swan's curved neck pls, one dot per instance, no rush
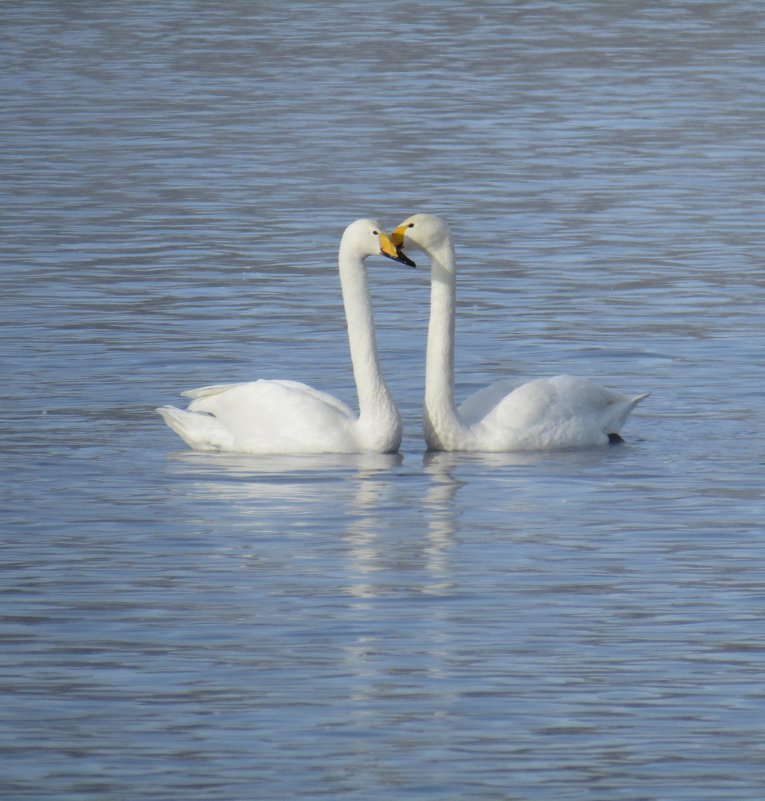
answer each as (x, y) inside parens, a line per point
(443, 426)
(377, 411)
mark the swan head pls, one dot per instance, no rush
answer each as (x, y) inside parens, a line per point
(367, 238)
(425, 231)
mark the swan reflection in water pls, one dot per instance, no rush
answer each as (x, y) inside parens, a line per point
(275, 484)
(351, 564)
(355, 511)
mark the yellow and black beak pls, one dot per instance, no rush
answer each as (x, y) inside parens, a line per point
(390, 248)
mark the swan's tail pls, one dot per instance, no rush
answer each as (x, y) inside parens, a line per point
(202, 432)
(619, 413)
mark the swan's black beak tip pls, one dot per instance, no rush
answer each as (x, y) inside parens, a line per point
(404, 259)
(393, 250)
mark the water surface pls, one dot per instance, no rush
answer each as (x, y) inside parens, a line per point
(579, 625)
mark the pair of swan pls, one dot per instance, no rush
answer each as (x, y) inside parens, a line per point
(286, 417)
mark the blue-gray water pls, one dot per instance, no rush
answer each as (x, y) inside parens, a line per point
(175, 180)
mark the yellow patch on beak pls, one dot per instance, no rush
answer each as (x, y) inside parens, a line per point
(387, 248)
(397, 237)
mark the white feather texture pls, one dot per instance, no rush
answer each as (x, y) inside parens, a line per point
(287, 417)
(544, 414)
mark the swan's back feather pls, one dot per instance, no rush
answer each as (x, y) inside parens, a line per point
(560, 412)
(264, 417)
(205, 392)
(478, 405)
(207, 399)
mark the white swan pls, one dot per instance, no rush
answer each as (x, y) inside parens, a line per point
(286, 417)
(545, 414)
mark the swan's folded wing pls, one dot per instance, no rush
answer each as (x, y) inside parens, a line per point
(323, 397)
(204, 392)
(279, 417)
(478, 405)
(255, 390)
(563, 411)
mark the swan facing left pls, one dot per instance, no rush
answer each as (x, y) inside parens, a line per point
(287, 417)
(544, 414)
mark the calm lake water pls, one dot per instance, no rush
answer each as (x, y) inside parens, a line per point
(578, 625)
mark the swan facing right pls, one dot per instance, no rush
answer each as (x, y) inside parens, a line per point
(287, 417)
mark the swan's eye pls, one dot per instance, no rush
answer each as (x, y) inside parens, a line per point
(411, 225)
(375, 233)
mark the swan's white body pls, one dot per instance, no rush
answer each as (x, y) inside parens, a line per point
(287, 417)
(545, 414)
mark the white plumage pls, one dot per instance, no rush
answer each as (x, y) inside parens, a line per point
(287, 417)
(544, 414)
